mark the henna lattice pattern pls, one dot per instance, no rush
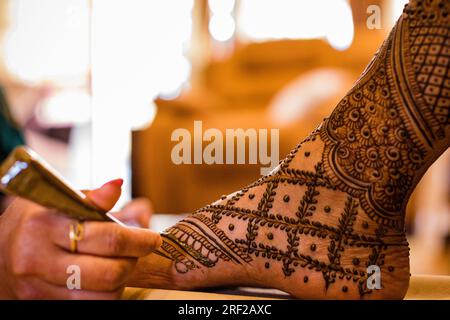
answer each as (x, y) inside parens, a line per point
(215, 245)
(338, 207)
(430, 54)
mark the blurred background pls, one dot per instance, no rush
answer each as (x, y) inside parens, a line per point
(98, 86)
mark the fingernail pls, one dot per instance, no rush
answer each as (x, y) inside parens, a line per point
(116, 182)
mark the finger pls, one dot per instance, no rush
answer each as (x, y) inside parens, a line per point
(38, 289)
(96, 273)
(137, 212)
(108, 239)
(107, 195)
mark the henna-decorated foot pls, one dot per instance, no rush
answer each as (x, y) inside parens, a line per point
(335, 205)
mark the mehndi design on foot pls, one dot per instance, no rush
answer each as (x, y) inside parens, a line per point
(335, 205)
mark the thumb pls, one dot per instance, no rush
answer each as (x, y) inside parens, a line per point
(107, 195)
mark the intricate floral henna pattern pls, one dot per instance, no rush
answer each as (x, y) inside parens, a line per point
(330, 211)
(378, 137)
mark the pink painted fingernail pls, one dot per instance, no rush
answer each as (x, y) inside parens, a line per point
(116, 182)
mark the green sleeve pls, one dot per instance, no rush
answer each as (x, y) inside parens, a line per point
(10, 135)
